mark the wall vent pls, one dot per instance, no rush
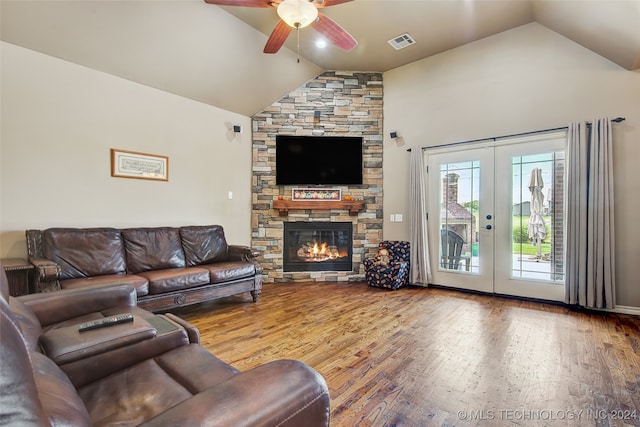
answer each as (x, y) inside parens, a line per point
(401, 41)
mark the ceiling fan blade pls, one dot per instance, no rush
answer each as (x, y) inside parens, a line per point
(334, 32)
(326, 3)
(278, 37)
(243, 3)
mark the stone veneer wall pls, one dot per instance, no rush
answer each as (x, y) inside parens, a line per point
(350, 104)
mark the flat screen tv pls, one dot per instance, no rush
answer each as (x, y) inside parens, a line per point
(318, 160)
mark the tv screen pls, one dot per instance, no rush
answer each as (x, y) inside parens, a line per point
(318, 160)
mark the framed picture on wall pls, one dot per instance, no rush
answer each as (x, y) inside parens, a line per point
(132, 164)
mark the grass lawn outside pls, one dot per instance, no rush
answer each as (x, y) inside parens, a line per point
(521, 243)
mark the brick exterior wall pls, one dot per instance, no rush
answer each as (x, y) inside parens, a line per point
(350, 104)
(557, 225)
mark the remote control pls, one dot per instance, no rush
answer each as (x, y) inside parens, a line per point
(107, 321)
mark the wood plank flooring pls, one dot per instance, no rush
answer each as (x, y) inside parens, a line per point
(437, 357)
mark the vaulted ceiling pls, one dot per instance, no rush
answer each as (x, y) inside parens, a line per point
(609, 28)
(213, 54)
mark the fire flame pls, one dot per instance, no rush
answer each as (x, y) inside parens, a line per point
(317, 252)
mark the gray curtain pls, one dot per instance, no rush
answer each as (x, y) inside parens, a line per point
(420, 272)
(590, 225)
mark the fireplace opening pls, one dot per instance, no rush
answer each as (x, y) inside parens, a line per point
(318, 246)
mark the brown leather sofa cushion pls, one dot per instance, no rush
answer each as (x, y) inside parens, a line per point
(140, 283)
(204, 244)
(66, 345)
(161, 281)
(203, 371)
(151, 387)
(152, 249)
(227, 271)
(76, 250)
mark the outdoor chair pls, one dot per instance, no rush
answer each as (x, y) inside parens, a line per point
(451, 243)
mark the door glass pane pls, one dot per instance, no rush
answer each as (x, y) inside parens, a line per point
(459, 204)
(538, 220)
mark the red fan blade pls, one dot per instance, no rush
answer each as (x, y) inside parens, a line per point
(327, 3)
(278, 37)
(334, 32)
(243, 3)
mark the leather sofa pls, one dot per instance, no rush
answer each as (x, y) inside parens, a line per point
(162, 379)
(168, 266)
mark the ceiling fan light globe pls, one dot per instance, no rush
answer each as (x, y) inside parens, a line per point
(297, 13)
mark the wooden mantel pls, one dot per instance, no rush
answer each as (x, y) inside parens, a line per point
(353, 206)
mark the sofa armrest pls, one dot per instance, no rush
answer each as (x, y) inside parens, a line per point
(245, 253)
(242, 253)
(56, 307)
(46, 274)
(296, 395)
(192, 331)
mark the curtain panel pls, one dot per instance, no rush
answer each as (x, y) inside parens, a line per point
(420, 272)
(590, 216)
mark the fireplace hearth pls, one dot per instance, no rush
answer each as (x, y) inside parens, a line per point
(318, 246)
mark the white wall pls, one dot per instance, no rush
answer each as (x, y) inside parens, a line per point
(59, 122)
(185, 47)
(525, 79)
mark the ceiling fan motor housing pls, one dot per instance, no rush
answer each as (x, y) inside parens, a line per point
(297, 13)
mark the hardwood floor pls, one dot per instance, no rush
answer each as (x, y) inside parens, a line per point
(437, 357)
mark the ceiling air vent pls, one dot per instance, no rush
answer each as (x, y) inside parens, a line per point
(401, 41)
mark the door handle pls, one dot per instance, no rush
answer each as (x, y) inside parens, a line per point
(488, 227)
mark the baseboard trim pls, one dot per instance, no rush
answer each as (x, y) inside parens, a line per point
(620, 309)
(625, 309)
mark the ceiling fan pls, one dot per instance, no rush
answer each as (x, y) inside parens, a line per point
(298, 14)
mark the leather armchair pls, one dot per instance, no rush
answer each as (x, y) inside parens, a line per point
(154, 381)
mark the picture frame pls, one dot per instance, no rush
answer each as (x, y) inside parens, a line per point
(133, 164)
(316, 194)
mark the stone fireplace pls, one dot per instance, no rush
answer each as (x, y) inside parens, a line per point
(317, 246)
(332, 104)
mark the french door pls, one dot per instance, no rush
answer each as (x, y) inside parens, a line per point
(458, 202)
(496, 216)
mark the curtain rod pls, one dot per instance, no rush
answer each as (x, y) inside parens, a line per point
(616, 120)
